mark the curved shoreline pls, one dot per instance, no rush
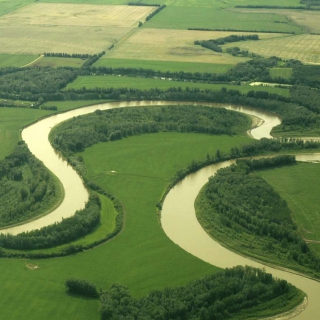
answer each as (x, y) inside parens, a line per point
(36, 136)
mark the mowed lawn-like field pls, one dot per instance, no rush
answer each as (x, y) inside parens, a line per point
(304, 47)
(16, 60)
(164, 66)
(299, 186)
(90, 82)
(141, 257)
(45, 27)
(218, 18)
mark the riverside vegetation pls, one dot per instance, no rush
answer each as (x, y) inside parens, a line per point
(241, 210)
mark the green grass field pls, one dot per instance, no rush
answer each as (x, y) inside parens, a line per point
(163, 66)
(299, 186)
(11, 121)
(15, 60)
(141, 257)
(56, 62)
(284, 73)
(202, 17)
(146, 83)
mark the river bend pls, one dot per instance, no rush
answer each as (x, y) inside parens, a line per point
(178, 216)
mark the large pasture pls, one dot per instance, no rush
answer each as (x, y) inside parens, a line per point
(218, 18)
(174, 45)
(304, 47)
(40, 27)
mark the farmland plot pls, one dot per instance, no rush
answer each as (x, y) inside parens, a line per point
(305, 48)
(67, 28)
(174, 45)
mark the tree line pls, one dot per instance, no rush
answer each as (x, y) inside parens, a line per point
(215, 44)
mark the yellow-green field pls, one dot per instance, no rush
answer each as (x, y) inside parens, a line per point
(175, 45)
(39, 27)
(304, 47)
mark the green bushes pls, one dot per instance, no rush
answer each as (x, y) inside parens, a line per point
(82, 288)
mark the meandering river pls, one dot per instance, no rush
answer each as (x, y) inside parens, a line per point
(178, 216)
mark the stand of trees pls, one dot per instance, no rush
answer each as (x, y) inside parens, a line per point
(240, 209)
(26, 187)
(235, 293)
(82, 288)
(109, 125)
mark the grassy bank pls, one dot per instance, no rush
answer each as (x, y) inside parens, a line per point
(146, 83)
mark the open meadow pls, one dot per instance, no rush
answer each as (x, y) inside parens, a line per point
(164, 66)
(175, 45)
(11, 60)
(217, 18)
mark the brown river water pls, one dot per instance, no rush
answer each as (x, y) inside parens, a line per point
(178, 216)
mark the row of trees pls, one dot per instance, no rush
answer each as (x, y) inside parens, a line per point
(67, 55)
(83, 222)
(215, 44)
(232, 293)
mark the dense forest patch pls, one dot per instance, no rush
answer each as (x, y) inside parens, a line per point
(110, 125)
(241, 210)
(239, 292)
(27, 188)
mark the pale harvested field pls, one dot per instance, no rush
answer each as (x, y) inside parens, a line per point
(67, 28)
(174, 45)
(310, 20)
(305, 48)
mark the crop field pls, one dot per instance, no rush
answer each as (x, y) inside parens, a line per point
(163, 66)
(67, 28)
(304, 47)
(299, 186)
(309, 20)
(147, 83)
(10, 60)
(55, 62)
(174, 45)
(203, 17)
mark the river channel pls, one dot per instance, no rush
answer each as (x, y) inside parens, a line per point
(178, 216)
